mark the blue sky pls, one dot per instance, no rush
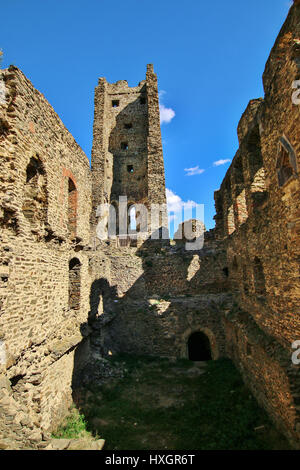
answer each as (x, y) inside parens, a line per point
(209, 58)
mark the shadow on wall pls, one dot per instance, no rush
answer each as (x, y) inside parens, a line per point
(145, 320)
(102, 298)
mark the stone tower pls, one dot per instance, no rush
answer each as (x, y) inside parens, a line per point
(127, 157)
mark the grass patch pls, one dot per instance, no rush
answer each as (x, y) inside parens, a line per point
(75, 426)
(161, 404)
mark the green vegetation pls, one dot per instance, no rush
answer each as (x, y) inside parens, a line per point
(179, 405)
(74, 426)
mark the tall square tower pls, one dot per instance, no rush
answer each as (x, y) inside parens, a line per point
(127, 157)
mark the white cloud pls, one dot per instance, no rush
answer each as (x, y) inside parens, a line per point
(222, 162)
(179, 210)
(161, 93)
(176, 204)
(193, 171)
(166, 114)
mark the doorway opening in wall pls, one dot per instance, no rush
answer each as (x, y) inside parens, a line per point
(199, 347)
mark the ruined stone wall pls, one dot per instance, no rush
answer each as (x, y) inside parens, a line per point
(146, 296)
(266, 368)
(258, 219)
(157, 296)
(64, 301)
(45, 198)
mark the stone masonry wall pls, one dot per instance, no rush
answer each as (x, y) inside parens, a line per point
(66, 300)
(258, 218)
(40, 161)
(157, 296)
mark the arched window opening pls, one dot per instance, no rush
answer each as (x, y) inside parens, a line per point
(259, 194)
(238, 171)
(74, 284)
(255, 158)
(35, 193)
(137, 218)
(241, 207)
(72, 208)
(230, 220)
(199, 347)
(131, 218)
(255, 163)
(286, 162)
(229, 205)
(259, 277)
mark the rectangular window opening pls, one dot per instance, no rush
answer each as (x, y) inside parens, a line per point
(130, 168)
(115, 103)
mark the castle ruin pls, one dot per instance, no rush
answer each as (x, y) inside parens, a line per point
(68, 297)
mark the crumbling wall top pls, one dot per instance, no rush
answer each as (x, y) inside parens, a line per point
(121, 86)
(248, 118)
(286, 48)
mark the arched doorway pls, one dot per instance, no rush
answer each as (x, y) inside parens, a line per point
(199, 347)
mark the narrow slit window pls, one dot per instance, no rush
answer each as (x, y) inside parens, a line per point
(226, 271)
(72, 208)
(124, 146)
(249, 350)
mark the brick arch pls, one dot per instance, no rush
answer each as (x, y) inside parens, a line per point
(210, 335)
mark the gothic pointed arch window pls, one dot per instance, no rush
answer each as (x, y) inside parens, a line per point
(286, 162)
(35, 193)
